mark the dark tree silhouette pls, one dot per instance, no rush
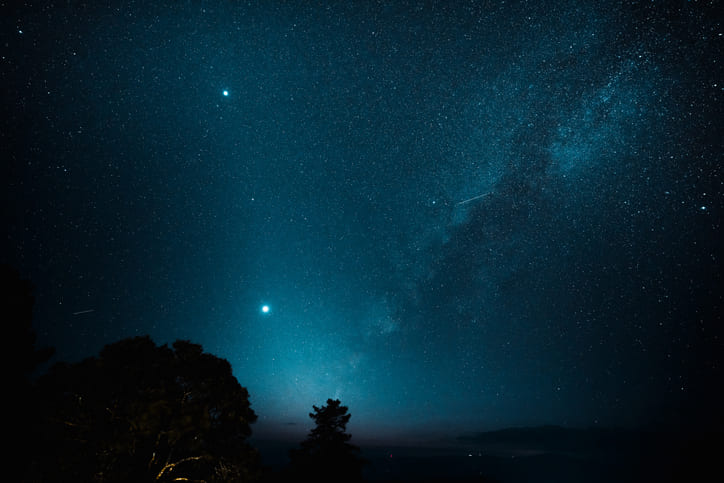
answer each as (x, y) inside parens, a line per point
(21, 360)
(17, 305)
(326, 454)
(139, 412)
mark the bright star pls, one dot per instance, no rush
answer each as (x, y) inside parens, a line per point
(226, 93)
(265, 309)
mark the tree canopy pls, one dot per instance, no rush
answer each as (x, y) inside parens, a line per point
(140, 412)
(17, 304)
(326, 454)
(22, 360)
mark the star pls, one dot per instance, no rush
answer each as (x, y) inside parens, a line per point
(265, 309)
(225, 93)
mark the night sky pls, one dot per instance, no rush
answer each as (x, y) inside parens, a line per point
(460, 216)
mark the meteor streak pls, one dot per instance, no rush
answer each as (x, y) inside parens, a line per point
(472, 199)
(87, 311)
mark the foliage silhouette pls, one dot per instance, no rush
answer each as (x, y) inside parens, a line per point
(140, 412)
(22, 360)
(326, 454)
(17, 303)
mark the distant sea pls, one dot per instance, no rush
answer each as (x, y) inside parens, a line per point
(544, 454)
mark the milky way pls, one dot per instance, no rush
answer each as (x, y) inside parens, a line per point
(459, 216)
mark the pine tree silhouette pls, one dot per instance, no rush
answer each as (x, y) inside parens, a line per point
(326, 454)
